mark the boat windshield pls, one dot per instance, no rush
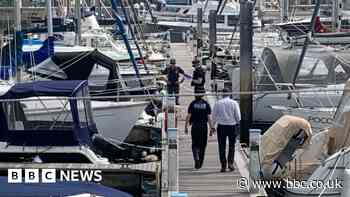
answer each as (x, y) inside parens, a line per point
(47, 113)
(277, 68)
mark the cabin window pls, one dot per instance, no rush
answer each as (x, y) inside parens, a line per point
(232, 20)
(39, 115)
(220, 19)
(313, 71)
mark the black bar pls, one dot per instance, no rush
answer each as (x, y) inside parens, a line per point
(246, 54)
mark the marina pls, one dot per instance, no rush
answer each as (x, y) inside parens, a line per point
(174, 98)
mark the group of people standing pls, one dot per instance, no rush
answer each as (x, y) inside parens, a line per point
(225, 115)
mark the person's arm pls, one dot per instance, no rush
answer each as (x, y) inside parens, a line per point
(211, 126)
(210, 122)
(237, 113)
(188, 117)
(197, 79)
(165, 71)
(214, 115)
(182, 72)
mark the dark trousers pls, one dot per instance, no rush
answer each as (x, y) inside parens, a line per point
(199, 133)
(224, 132)
(174, 89)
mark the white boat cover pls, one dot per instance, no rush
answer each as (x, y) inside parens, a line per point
(279, 134)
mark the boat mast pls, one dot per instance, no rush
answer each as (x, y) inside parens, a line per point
(49, 18)
(307, 40)
(284, 10)
(18, 40)
(336, 12)
(77, 22)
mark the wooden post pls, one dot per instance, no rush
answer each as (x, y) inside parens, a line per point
(246, 54)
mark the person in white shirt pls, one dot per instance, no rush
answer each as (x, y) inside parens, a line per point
(226, 114)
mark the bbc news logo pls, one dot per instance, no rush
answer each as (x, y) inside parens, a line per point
(52, 175)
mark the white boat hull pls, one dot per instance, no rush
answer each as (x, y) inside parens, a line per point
(113, 119)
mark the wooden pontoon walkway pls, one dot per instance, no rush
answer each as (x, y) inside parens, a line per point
(208, 181)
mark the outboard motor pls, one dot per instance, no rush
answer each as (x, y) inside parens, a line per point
(280, 143)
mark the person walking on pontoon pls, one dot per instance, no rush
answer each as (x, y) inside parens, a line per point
(173, 74)
(199, 117)
(227, 116)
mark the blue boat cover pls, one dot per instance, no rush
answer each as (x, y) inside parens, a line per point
(44, 88)
(26, 58)
(58, 189)
(78, 136)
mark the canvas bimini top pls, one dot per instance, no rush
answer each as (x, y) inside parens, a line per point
(44, 88)
(62, 121)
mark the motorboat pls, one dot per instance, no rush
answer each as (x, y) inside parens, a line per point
(187, 18)
(47, 134)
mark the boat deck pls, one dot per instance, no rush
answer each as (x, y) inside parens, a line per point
(208, 181)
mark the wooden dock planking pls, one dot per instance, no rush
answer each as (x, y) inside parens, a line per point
(208, 181)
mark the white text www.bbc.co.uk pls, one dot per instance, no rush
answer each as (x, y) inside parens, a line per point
(244, 183)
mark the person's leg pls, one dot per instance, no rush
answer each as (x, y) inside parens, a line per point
(222, 146)
(203, 143)
(195, 145)
(171, 89)
(231, 151)
(177, 91)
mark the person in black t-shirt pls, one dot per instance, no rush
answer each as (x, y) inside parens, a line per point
(199, 116)
(173, 74)
(198, 79)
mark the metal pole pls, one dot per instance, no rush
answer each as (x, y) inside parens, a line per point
(99, 4)
(307, 40)
(18, 14)
(200, 22)
(199, 35)
(284, 10)
(212, 31)
(337, 10)
(77, 22)
(254, 167)
(246, 69)
(173, 172)
(18, 40)
(49, 18)
(335, 15)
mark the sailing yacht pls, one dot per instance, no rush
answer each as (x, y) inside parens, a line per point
(324, 159)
